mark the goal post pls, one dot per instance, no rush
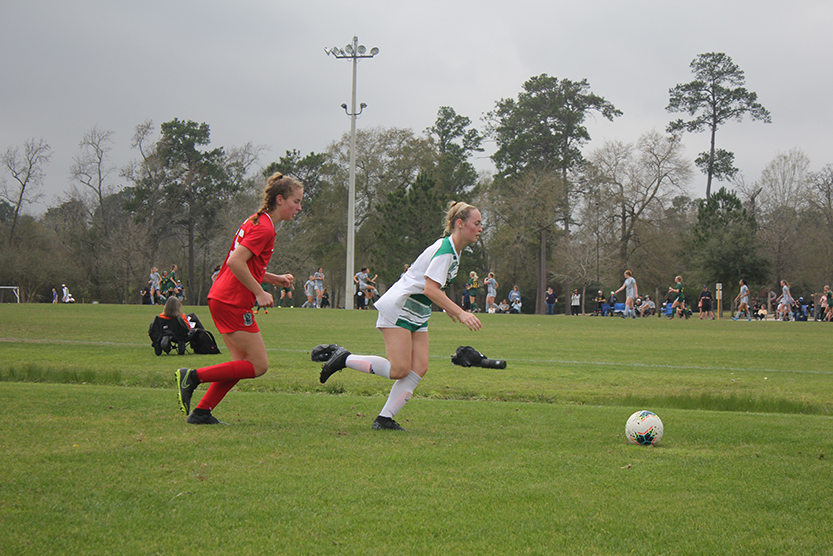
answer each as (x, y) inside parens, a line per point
(15, 291)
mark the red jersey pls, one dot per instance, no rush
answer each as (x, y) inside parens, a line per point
(260, 240)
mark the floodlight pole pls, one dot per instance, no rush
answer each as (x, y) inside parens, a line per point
(352, 51)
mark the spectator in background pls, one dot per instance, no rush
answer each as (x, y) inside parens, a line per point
(515, 300)
(705, 303)
(600, 303)
(759, 311)
(66, 297)
(550, 301)
(575, 303)
(648, 307)
(467, 297)
(611, 301)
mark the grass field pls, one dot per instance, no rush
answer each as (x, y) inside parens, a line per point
(530, 459)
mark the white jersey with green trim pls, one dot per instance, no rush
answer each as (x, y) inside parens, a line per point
(439, 262)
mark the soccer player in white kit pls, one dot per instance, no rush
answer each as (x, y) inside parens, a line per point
(403, 316)
(631, 292)
(743, 297)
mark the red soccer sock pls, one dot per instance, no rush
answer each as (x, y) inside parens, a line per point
(215, 394)
(231, 370)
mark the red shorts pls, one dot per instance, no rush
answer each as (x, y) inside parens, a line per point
(228, 318)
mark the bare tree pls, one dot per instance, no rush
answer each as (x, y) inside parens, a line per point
(90, 169)
(27, 171)
(635, 178)
(785, 192)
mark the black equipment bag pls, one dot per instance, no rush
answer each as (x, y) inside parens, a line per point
(202, 341)
(467, 356)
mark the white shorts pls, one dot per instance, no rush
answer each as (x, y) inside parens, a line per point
(413, 315)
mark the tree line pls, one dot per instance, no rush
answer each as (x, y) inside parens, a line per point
(556, 212)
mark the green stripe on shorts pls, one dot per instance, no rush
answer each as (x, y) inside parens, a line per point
(415, 313)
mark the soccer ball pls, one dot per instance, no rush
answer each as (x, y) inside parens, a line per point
(644, 427)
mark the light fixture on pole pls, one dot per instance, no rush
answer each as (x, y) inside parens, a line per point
(353, 52)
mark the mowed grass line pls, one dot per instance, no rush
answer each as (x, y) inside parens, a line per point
(723, 365)
(113, 470)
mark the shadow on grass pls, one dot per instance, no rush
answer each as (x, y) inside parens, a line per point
(35, 373)
(726, 403)
(703, 401)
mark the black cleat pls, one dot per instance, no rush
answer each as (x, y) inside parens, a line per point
(203, 419)
(335, 363)
(386, 423)
(323, 352)
(187, 381)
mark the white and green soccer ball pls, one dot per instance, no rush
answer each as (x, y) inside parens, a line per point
(644, 427)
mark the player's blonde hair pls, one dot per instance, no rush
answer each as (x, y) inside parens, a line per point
(277, 185)
(457, 210)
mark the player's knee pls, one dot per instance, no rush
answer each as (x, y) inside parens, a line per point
(399, 372)
(261, 368)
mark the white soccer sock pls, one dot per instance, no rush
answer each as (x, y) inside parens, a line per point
(372, 364)
(399, 394)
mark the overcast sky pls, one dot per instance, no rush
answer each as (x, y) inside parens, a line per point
(256, 71)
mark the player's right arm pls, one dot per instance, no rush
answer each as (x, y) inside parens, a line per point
(237, 263)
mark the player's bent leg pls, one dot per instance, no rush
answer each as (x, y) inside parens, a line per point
(419, 352)
(248, 346)
(336, 362)
(398, 349)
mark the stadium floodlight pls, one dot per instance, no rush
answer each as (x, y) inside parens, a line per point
(352, 52)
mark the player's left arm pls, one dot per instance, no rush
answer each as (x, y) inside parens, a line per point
(434, 292)
(282, 280)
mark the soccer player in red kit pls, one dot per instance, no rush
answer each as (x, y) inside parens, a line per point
(232, 296)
